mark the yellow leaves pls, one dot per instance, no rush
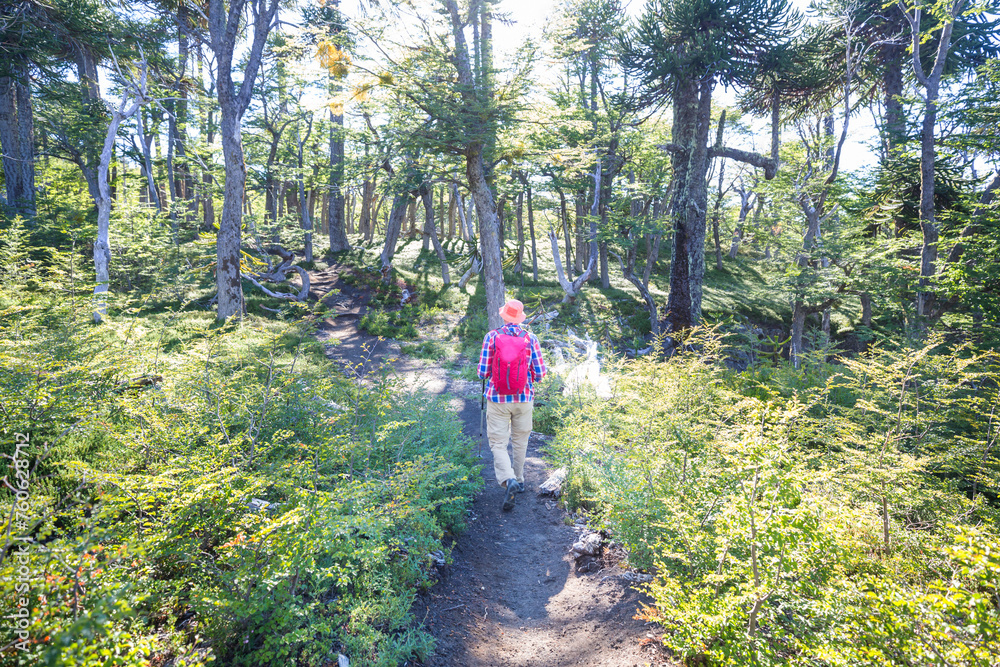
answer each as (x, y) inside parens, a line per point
(337, 107)
(362, 92)
(333, 59)
(249, 263)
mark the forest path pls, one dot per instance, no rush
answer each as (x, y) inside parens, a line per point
(513, 595)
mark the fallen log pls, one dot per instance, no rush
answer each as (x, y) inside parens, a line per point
(288, 296)
(553, 485)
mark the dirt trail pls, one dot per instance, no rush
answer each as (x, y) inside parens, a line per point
(514, 595)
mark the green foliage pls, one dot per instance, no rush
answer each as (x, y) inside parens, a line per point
(551, 405)
(677, 41)
(160, 429)
(953, 619)
(391, 323)
(428, 349)
(775, 507)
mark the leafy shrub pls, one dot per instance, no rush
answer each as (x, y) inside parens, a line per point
(391, 323)
(550, 405)
(146, 547)
(428, 349)
(798, 517)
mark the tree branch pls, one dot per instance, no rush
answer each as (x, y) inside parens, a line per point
(769, 166)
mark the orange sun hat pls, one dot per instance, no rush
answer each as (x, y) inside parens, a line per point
(512, 312)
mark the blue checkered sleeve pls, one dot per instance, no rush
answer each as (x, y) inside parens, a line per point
(486, 357)
(538, 369)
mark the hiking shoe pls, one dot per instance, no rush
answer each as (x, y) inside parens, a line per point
(508, 496)
(520, 487)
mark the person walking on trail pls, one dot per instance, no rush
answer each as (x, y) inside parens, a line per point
(511, 363)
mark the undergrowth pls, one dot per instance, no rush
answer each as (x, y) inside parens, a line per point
(148, 439)
(836, 514)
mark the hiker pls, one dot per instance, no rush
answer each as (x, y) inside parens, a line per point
(511, 363)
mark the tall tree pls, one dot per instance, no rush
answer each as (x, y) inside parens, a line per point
(930, 80)
(455, 109)
(475, 100)
(134, 96)
(332, 43)
(681, 50)
(224, 27)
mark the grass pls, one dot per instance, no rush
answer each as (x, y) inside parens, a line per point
(428, 349)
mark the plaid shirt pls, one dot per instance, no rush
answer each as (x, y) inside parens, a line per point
(536, 371)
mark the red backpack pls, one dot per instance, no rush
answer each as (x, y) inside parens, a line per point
(509, 368)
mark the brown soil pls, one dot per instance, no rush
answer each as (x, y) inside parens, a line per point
(513, 595)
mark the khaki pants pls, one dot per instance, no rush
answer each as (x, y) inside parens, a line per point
(508, 422)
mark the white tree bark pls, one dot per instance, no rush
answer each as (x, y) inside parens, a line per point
(225, 24)
(307, 224)
(301, 296)
(394, 224)
(473, 270)
(571, 289)
(430, 231)
(133, 98)
(931, 82)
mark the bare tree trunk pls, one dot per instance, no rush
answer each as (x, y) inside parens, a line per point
(17, 142)
(429, 223)
(570, 289)
(465, 217)
(745, 206)
(224, 26)
(148, 164)
(411, 220)
(171, 173)
(473, 97)
(697, 200)
(488, 237)
(580, 208)
(376, 226)
(595, 211)
(474, 268)
(501, 216)
(134, 97)
(184, 187)
(427, 195)
(716, 213)
(519, 215)
(452, 214)
(531, 232)
(305, 217)
(365, 223)
(798, 327)
(400, 205)
(652, 256)
(338, 236)
(206, 178)
(352, 204)
(931, 83)
(564, 217)
(26, 132)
